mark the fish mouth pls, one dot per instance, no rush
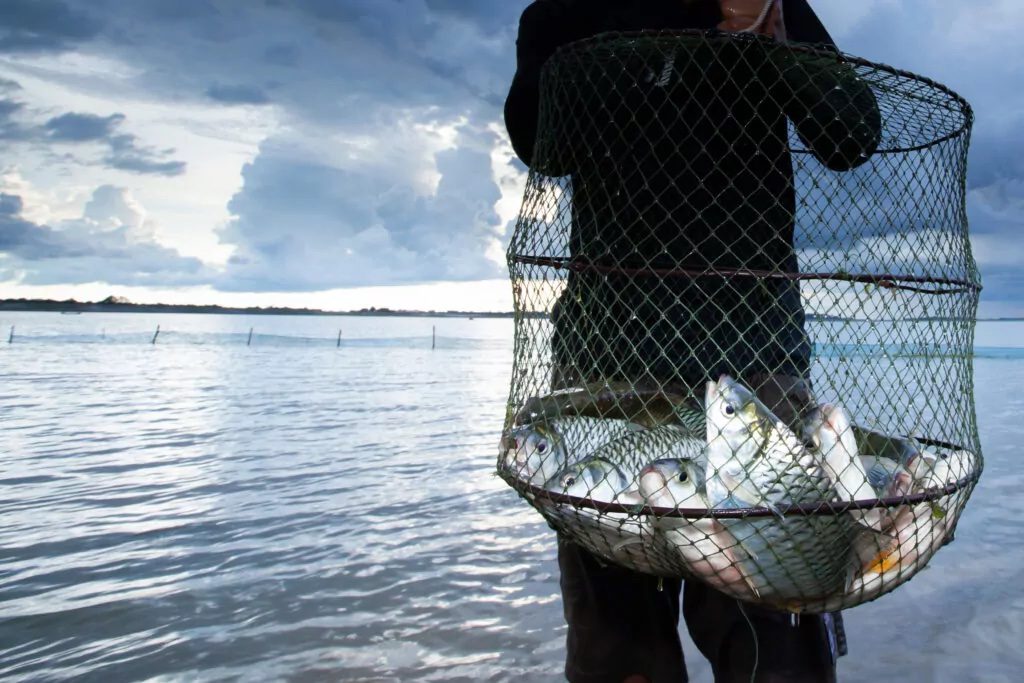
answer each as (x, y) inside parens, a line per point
(509, 443)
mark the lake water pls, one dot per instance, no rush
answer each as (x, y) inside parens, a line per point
(202, 509)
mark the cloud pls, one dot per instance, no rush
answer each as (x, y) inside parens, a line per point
(110, 242)
(237, 94)
(43, 25)
(74, 127)
(309, 226)
(345, 191)
(127, 155)
(124, 151)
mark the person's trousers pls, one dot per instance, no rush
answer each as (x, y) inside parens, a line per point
(623, 623)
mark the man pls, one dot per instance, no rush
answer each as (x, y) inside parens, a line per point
(682, 185)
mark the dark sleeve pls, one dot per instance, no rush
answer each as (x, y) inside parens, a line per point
(803, 25)
(541, 32)
(835, 112)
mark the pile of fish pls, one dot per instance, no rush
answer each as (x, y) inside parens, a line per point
(729, 494)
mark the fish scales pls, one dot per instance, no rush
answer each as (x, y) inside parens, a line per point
(632, 451)
(804, 556)
(756, 461)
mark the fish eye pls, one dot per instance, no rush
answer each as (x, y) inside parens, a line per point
(542, 446)
(729, 410)
(568, 481)
(683, 476)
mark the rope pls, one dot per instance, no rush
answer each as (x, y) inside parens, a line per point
(753, 634)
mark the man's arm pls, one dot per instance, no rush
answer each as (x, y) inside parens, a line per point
(540, 34)
(835, 113)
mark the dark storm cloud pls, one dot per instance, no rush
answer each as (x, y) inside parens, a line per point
(73, 127)
(10, 129)
(237, 94)
(43, 25)
(127, 154)
(124, 151)
(8, 107)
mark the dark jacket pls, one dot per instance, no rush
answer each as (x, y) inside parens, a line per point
(680, 159)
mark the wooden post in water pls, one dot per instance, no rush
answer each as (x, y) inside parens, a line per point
(10, 338)
(249, 341)
(155, 335)
(433, 337)
(103, 333)
(339, 339)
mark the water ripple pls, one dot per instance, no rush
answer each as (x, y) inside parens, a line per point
(199, 509)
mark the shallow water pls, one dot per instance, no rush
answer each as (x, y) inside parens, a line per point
(200, 509)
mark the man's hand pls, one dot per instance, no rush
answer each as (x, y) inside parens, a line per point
(743, 15)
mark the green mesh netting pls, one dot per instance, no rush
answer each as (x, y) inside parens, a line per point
(745, 305)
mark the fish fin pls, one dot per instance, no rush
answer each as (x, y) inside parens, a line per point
(636, 427)
(878, 477)
(727, 552)
(876, 552)
(775, 511)
(851, 577)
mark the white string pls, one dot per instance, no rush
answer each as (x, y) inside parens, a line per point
(753, 634)
(760, 18)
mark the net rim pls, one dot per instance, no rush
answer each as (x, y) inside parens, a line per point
(960, 104)
(822, 508)
(883, 280)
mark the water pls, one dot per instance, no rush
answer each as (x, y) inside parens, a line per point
(200, 509)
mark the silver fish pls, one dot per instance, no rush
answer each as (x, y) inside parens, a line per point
(595, 479)
(648, 407)
(704, 545)
(536, 452)
(622, 538)
(920, 530)
(830, 430)
(754, 460)
(628, 539)
(935, 471)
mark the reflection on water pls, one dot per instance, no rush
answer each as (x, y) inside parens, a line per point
(295, 510)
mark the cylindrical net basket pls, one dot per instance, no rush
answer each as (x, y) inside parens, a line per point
(745, 303)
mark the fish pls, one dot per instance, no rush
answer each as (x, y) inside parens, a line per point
(896, 448)
(534, 453)
(754, 460)
(538, 451)
(830, 430)
(704, 545)
(596, 479)
(920, 530)
(887, 477)
(936, 471)
(645, 407)
(620, 537)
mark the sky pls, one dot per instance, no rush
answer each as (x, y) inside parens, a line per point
(350, 153)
